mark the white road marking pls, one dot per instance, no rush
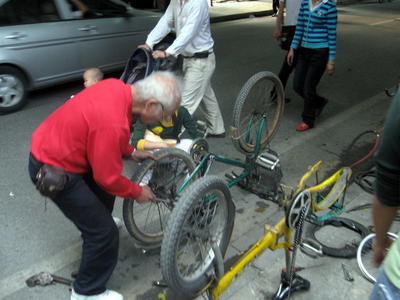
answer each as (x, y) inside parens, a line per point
(384, 22)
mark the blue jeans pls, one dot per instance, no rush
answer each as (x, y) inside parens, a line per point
(384, 289)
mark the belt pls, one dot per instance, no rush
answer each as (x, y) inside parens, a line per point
(34, 161)
(203, 54)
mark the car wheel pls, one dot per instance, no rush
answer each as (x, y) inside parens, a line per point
(13, 87)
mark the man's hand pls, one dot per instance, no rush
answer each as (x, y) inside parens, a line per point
(290, 57)
(142, 155)
(330, 67)
(160, 54)
(145, 46)
(277, 33)
(380, 251)
(146, 195)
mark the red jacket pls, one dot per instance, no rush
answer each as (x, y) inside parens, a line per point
(90, 132)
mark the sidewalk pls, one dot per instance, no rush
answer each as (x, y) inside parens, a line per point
(233, 10)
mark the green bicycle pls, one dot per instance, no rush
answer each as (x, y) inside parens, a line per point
(256, 114)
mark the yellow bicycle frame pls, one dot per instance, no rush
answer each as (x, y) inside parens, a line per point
(270, 240)
(271, 237)
(334, 194)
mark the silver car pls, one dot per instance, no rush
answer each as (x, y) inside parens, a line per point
(45, 42)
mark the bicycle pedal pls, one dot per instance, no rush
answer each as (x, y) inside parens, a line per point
(160, 283)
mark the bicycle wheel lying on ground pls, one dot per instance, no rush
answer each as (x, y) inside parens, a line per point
(203, 215)
(146, 222)
(365, 257)
(337, 243)
(262, 95)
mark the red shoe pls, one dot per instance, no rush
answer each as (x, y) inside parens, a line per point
(302, 127)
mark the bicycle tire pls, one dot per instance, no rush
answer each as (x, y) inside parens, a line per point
(190, 210)
(348, 251)
(263, 106)
(133, 212)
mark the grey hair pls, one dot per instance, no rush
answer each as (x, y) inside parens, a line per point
(163, 86)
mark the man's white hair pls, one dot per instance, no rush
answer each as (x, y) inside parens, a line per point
(162, 86)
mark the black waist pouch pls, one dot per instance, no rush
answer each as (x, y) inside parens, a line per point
(287, 37)
(51, 180)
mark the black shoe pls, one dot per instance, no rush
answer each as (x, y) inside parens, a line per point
(220, 135)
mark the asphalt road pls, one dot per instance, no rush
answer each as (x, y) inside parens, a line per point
(33, 238)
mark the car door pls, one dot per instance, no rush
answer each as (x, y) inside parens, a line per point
(110, 32)
(34, 38)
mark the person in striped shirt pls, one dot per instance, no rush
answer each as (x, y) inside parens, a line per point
(315, 40)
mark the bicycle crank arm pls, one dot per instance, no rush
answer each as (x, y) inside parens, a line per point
(311, 248)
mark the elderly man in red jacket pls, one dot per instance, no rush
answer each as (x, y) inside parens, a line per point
(79, 149)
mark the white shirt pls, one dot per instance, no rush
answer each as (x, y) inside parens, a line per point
(292, 11)
(191, 22)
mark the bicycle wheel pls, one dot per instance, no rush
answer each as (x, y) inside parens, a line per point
(365, 257)
(262, 95)
(345, 248)
(204, 214)
(146, 222)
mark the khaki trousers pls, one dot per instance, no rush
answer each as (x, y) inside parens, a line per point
(197, 91)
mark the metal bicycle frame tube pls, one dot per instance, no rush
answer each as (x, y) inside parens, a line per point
(270, 240)
(246, 166)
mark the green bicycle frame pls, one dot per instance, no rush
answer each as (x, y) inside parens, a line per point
(247, 166)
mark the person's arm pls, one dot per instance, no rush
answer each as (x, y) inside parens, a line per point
(279, 20)
(383, 217)
(104, 151)
(189, 123)
(387, 184)
(163, 27)
(81, 6)
(198, 12)
(149, 145)
(331, 18)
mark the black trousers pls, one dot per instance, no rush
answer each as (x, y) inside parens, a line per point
(275, 6)
(310, 66)
(89, 208)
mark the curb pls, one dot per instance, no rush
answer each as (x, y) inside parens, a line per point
(245, 15)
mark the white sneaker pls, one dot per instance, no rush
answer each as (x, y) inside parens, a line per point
(107, 295)
(118, 222)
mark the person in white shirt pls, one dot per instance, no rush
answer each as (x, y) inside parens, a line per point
(286, 25)
(191, 21)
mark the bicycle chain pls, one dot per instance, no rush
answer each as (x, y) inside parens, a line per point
(297, 241)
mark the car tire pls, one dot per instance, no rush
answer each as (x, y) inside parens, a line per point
(13, 88)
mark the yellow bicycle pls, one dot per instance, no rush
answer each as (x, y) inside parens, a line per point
(199, 230)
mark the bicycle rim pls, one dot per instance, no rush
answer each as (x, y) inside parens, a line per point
(365, 257)
(146, 222)
(262, 95)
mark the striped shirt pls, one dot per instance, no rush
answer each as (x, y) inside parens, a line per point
(316, 26)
